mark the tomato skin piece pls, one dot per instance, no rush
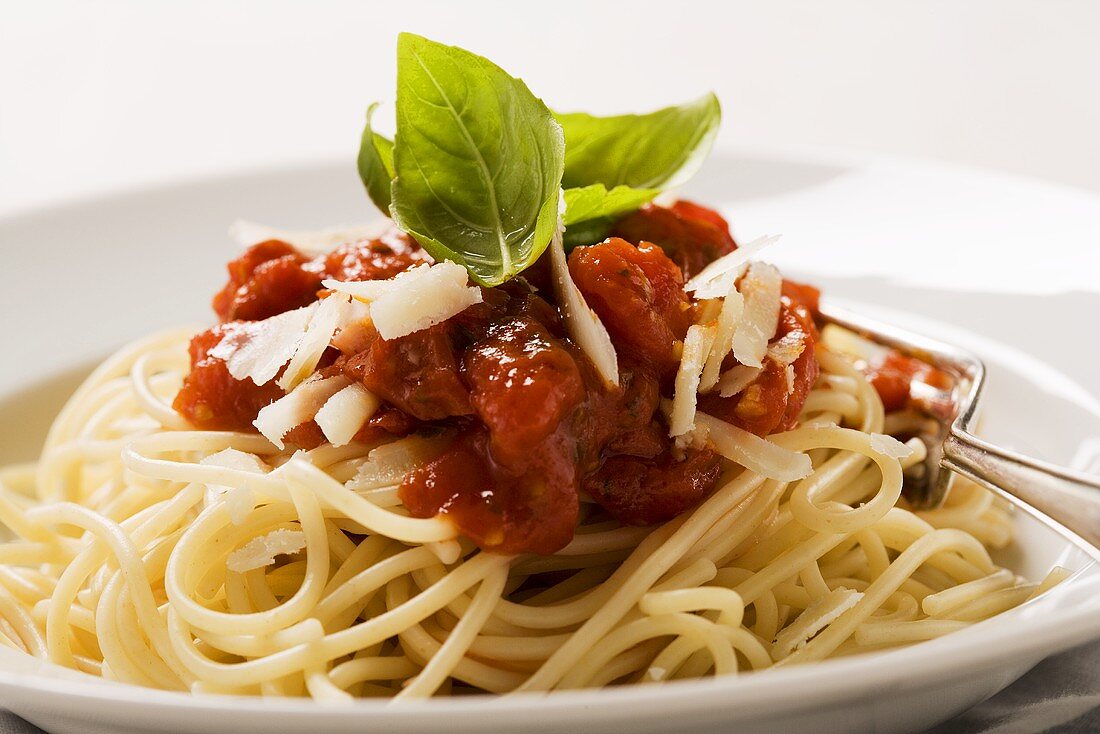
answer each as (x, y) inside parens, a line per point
(807, 296)
(531, 511)
(638, 293)
(693, 236)
(272, 277)
(523, 385)
(638, 491)
(267, 279)
(374, 259)
(417, 373)
(211, 398)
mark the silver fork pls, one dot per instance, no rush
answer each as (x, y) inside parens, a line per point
(1066, 500)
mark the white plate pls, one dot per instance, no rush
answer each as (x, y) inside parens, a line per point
(90, 275)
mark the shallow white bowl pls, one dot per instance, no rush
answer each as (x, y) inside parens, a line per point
(90, 275)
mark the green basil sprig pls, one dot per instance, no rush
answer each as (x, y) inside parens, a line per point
(478, 158)
(657, 150)
(475, 170)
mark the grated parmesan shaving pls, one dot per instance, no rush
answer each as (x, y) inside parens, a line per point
(733, 306)
(262, 551)
(685, 394)
(581, 322)
(388, 464)
(415, 299)
(296, 407)
(247, 233)
(714, 280)
(257, 350)
(819, 615)
(736, 379)
(756, 454)
(890, 446)
(372, 290)
(342, 415)
(355, 331)
(761, 288)
(318, 335)
(788, 349)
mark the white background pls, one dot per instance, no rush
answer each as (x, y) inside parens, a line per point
(104, 95)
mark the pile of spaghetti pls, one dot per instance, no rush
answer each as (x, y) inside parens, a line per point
(539, 433)
(158, 554)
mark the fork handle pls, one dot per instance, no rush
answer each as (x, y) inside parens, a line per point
(1069, 497)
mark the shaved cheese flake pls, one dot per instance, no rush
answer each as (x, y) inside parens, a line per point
(415, 299)
(761, 288)
(788, 373)
(733, 305)
(257, 350)
(713, 281)
(247, 233)
(372, 290)
(756, 454)
(685, 394)
(388, 464)
(240, 499)
(736, 379)
(890, 446)
(581, 322)
(296, 407)
(787, 349)
(318, 335)
(819, 615)
(720, 284)
(355, 330)
(342, 415)
(262, 551)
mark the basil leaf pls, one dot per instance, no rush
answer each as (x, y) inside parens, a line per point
(479, 161)
(656, 150)
(376, 164)
(596, 201)
(588, 232)
(590, 211)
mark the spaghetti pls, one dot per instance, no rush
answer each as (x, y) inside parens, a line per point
(135, 559)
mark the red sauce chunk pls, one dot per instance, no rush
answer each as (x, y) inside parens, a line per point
(268, 279)
(773, 400)
(691, 235)
(532, 425)
(638, 293)
(418, 373)
(647, 491)
(272, 277)
(893, 377)
(211, 398)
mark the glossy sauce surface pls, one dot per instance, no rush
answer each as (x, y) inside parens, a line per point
(531, 423)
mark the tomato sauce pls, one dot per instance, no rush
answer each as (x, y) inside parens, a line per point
(893, 377)
(691, 235)
(532, 423)
(773, 401)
